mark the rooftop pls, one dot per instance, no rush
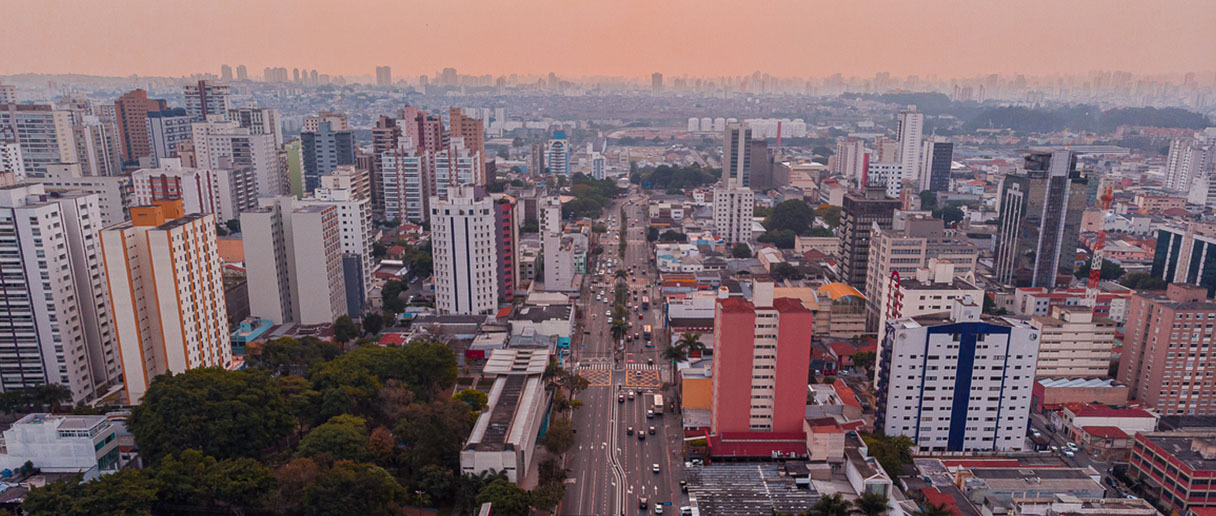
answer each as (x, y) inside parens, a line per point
(543, 313)
(517, 361)
(747, 488)
(1181, 446)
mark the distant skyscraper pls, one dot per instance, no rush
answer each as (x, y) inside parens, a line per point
(324, 150)
(207, 99)
(858, 213)
(599, 165)
(558, 153)
(1039, 220)
(259, 121)
(736, 153)
(225, 73)
(536, 159)
(57, 326)
(242, 73)
(384, 76)
(470, 129)
(936, 158)
(167, 128)
(43, 133)
(131, 111)
(910, 128)
(656, 82)
(466, 262)
(293, 254)
(852, 160)
(166, 287)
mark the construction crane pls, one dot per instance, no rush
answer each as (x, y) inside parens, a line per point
(1095, 265)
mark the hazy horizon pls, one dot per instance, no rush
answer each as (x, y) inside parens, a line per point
(948, 38)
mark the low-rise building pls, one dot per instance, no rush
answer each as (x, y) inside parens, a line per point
(1130, 420)
(1054, 393)
(1175, 469)
(504, 437)
(1074, 343)
(58, 443)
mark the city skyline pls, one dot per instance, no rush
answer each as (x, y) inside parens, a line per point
(631, 39)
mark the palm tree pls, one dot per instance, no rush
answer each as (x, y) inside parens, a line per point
(933, 509)
(830, 505)
(691, 343)
(675, 354)
(870, 504)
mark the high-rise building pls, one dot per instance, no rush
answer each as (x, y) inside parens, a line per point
(384, 76)
(913, 242)
(559, 256)
(958, 380)
(558, 154)
(43, 133)
(131, 111)
(536, 159)
(113, 192)
(761, 358)
(8, 94)
(858, 213)
(224, 145)
(1164, 361)
(736, 154)
(259, 121)
(457, 165)
(470, 129)
(166, 289)
(1039, 220)
(910, 127)
(225, 72)
(11, 164)
(1186, 255)
(337, 122)
(406, 176)
(223, 192)
(293, 255)
(656, 82)
(1073, 343)
(346, 190)
(852, 160)
(733, 209)
(98, 147)
(207, 100)
(463, 236)
(57, 323)
(1189, 159)
(386, 135)
(506, 242)
(936, 158)
(599, 166)
(242, 73)
(167, 128)
(324, 150)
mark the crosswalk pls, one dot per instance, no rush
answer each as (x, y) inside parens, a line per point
(643, 367)
(630, 366)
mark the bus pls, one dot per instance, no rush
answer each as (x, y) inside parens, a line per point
(658, 404)
(645, 303)
(646, 332)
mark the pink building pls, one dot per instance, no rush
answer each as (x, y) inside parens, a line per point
(762, 351)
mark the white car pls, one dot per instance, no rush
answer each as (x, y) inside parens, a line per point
(655, 467)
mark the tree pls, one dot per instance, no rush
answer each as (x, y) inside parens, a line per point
(506, 498)
(892, 452)
(351, 488)
(1110, 270)
(871, 504)
(741, 250)
(475, 399)
(783, 271)
(863, 359)
(933, 509)
(390, 295)
(343, 437)
(373, 322)
(793, 215)
(345, 329)
(820, 232)
(547, 495)
(191, 478)
(433, 433)
(949, 214)
(618, 330)
(559, 437)
(783, 239)
(652, 234)
(129, 492)
(234, 225)
(224, 414)
(691, 343)
(830, 214)
(675, 354)
(1143, 281)
(928, 200)
(621, 274)
(672, 235)
(830, 505)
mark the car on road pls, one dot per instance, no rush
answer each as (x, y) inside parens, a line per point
(649, 414)
(637, 374)
(620, 398)
(651, 429)
(685, 510)
(641, 436)
(658, 508)
(639, 316)
(1072, 446)
(629, 431)
(655, 467)
(630, 394)
(1069, 453)
(683, 487)
(642, 503)
(649, 361)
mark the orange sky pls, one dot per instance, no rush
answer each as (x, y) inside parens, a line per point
(610, 37)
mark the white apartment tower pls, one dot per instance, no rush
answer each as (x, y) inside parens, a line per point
(957, 381)
(457, 166)
(1074, 343)
(259, 121)
(599, 166)
(559, 256)
(166, 290)
(354, 221)
(293, 255)
(736, 154)
(10, 160)
(911, 124)
(43, 133)
(207, 100)
(223, 145)
(734, 202)
(57, 326)
(223, 192)
(466, 257)
(405, 178)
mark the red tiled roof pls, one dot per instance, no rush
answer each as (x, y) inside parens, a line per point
(392, 339)
(935, 497)
(1105, 432)
(736, 305)
(504, 312)
(845, 393)
(842, 348)
(788, 305)
(1104, 411)
(396, 250)
(1203, 511)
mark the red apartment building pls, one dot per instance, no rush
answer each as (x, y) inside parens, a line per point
(1168, 357)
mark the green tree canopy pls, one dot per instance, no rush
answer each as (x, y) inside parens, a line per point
(741, 250)
(1143, 281)
(130, 492)
(783, 271)
(345, 329)
(191, 478)
(224, 414)
(343, 437)
(475, 399)
(433, 433)
(559, 437)
(792, 215)
(506, 498)
(672, 235)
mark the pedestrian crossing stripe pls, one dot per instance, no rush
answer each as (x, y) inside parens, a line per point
(642, 366)
(593, 367)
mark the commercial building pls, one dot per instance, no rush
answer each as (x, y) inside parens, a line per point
(405, 180)
(58, 327)
(224, 193)
(259, 121)
(1165, 359)
(207, 100)
(1175, 469)
(1039, 221)
(558, 255)
(98, 147)
(113, 192)
(463, 239)
(166, 129)
(957, 381)
(761, 357)
(54, 443)
(858, 214)
(293, 256)
(166, 290)
(736, 154)
(1111, 302)
(384, 76)
(223, 145)
(1187, 255)
(913, 242)
(1073, 343)
(558, 154)
(504, 437)
(355, 231)
(471, 131)
(506, 243)
(43, 133)
(324, 150)
(131, 111)
(936, 158)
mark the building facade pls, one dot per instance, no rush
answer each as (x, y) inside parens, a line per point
(1039, 220)
(1074, 344)
(1186, 255)
(43, 133)
(858, 214)
(131, 112)
(1162, 360)
(207, 100)
(558, 154)
(166, 129)
(463, 238)
(324, 150)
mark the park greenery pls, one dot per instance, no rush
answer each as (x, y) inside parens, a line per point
(590, 197)
(305, 429)
(793, 218)
(666, 177)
